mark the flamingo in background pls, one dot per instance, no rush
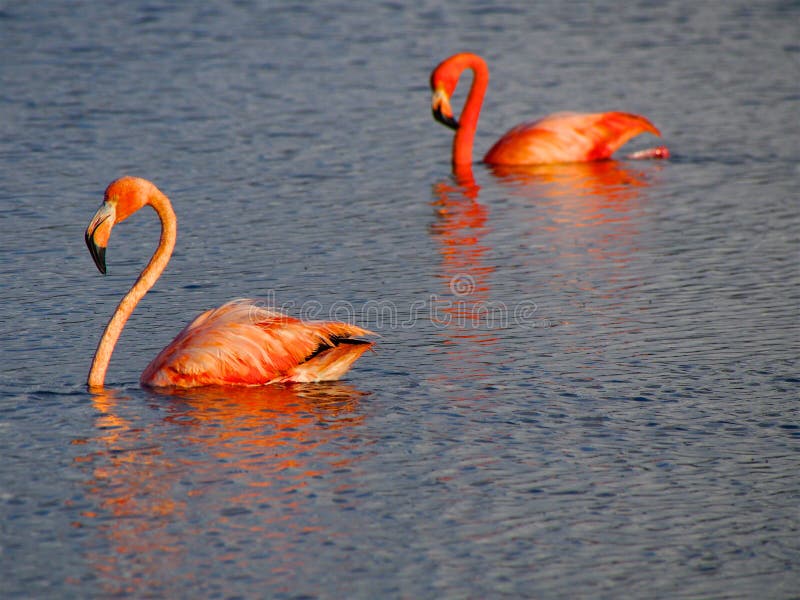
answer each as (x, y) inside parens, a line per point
(557, 138)
(238, 343)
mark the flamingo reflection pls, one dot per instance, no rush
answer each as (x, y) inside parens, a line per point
(581, 227)
(599, 197)
(220, 458)
(465, 313)
(608, 180)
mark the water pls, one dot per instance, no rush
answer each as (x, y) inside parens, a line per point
(586, 383)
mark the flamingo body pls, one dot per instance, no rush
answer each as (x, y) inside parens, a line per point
(238, 343)
(557, 138)
(567, 137)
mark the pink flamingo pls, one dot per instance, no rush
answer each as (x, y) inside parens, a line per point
(238, 343)
(557, 138)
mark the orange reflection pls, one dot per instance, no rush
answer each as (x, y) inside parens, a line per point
(464, 312)
(582, 222)
(238, 418)
(582, 190)
(601, 196)
(210, 456)
(462, 223)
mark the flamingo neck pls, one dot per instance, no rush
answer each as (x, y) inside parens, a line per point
(468, 120)
(146, 280)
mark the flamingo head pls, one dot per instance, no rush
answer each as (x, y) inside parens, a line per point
(444, 79)
(122, 198)
(443, 83)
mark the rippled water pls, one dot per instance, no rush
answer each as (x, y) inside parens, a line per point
(586, 383)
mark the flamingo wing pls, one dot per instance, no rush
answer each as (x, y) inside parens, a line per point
(241, 343)
(568, 137)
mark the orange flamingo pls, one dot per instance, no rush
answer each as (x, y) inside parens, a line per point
(238, 343)
(557, 138)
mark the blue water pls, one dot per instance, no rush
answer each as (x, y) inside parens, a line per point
(586, 381)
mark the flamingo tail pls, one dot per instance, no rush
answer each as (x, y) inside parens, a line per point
(329, 363)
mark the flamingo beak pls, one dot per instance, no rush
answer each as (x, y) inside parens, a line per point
(442, 112)
(98, 232)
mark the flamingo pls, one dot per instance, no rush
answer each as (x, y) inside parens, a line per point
(238, 343)
(557, 138)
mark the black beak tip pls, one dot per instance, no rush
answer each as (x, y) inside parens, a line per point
(100, 260)
(98, 254)
(446, 121)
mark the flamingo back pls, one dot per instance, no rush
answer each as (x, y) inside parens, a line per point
(241, 343)
(568, 137)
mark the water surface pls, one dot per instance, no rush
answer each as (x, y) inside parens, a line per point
(586, 383)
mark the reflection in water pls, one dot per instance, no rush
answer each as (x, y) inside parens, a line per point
(239, 459)
(579, 239)
(607, 180)
(465, 312)
(601, 196)
(583, 226)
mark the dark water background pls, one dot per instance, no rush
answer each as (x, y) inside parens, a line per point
(586, 384)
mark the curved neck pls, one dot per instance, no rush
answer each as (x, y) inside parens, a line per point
(146, 280)
(468, 120)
